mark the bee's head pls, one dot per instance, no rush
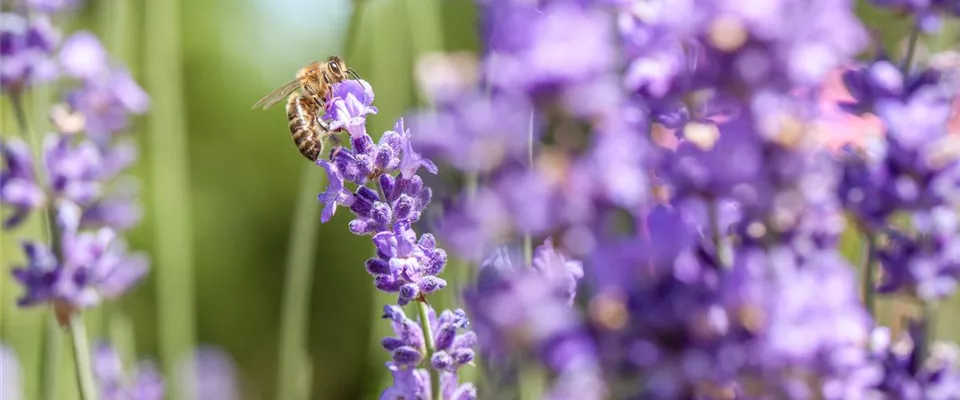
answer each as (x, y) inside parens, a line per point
(337, 67)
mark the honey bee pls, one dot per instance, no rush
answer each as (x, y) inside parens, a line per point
(305, 109)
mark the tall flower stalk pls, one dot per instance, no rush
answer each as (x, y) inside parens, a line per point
(172, 195)
(70, 178)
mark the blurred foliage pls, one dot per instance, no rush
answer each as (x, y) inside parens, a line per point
(243, 176)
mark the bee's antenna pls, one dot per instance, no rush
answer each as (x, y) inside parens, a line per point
(359, 79)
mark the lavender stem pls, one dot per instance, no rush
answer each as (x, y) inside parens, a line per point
(50, 367)
(422, 308)
(170, 176)
(911, 50)
(81, 355)
(50, 361)
(869, 289)
(719, 243)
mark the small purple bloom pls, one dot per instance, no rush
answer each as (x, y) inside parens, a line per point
(106, 102)
(411, 161)
(350, 106)
(335, 193)
(26, 47)
(94, 266)
(18, 183)
(143, 383)
(83, 56)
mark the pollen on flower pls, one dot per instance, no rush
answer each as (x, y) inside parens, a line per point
(608, 310)
(727, 33)
(703, 135)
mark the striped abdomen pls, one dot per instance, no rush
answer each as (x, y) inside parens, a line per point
(306, 131)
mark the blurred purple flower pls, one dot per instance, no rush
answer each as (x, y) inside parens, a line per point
(26, 47)
(905, 376)
(74, 169)
(474, 133)
(144, 382)
(53, 6)
(19, 188)
(94, 266)
(11, 381)
(83, 56)
(518, 311)
(210, 374)
(118, 209)
(107, 101)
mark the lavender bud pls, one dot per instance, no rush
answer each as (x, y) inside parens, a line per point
(463, 356)
(387, 185)
(361, 144)
(428, 242)
(359, 227)
(406, 355)
(407, 293)
(466, 340)
(436, 262)
(393, 313)
(403, 207)
(444, 336)
(441, 361)
(383, 157)
(391, 343)
(381, 214)
(429, 284)
(386, 283)
(376, 266)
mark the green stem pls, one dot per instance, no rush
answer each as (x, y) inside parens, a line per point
(423, 309)
(719, 242)
(50, 360)
(527, 240)
(169, 164)
(81, 355)
(533, 379)
(929, 324)
(869, 287)
(911, 50)
(52, 339)
(296, 295)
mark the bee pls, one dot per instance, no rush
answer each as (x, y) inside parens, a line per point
(305, 109)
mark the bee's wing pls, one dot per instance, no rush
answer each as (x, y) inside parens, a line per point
(278, 94)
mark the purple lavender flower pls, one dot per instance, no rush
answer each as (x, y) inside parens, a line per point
(107, 101)
(11, 384)
(26, 47)
(532, 49)
(18, 182)
(452, 350)
(527, 311)
(905, 376)
(87, 268)
(350, 104)
(73, 169)
(927, 266)
(473, 132)
(118, 209)
(83, 56)
(210, 374)
(406, 265)
(143, 383)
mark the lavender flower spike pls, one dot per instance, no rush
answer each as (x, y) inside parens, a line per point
(93, 266)
(18, 182)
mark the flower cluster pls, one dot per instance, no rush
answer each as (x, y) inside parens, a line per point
(143, 383)
(78, 176)
(672, 146)
(404, 263)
